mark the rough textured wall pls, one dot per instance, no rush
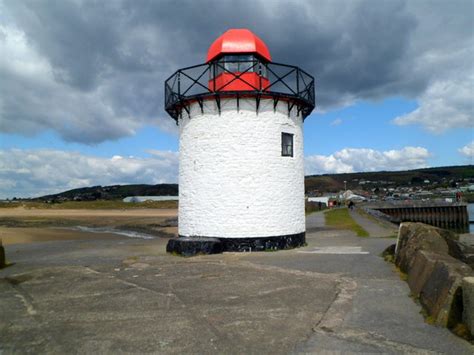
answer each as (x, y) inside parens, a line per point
(233, 180)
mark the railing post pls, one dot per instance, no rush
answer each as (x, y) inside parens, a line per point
(179, 83)
(297, 81)
(213, 77)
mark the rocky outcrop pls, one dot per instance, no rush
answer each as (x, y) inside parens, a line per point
(433, 260)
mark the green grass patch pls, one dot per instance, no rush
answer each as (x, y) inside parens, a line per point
(98, 204)
(340, 218)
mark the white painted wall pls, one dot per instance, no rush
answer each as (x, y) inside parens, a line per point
(233, 180)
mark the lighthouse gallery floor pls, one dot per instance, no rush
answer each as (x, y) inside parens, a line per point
(108, 296)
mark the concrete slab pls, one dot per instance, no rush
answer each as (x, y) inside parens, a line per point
(109, 296)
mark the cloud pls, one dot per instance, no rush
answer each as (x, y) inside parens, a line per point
(29, 173)
(468, 151)
(336, 122)
(363, 159)
(445, 105)
(94, 71)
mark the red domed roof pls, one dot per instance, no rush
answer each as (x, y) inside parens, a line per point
(238, 41)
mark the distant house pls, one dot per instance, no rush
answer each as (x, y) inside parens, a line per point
(324, 200)
(149, 198)
(350, 196)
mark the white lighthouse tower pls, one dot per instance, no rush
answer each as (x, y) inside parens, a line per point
(241, 174)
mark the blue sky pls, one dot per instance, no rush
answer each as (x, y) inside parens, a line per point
(82, 101)
(361, 125)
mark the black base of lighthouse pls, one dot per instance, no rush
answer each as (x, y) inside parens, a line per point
(190, 246)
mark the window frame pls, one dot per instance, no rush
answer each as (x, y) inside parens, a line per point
(284, 150)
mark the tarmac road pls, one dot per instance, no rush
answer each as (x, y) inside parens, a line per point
(108, 296)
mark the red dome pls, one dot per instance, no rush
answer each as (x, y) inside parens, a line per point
(238, 41)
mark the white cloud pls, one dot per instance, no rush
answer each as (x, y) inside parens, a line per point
(336, 122)
(363, 159)
(445, 105)
(468, 151)
(29, 173)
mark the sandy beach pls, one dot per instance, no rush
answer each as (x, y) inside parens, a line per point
(28, 225)
(33, 212)
(10, 235)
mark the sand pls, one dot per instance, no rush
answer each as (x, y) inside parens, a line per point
(105, 218)
(32, 212)
(33, 235)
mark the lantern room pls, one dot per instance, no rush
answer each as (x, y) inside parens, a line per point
(238, 60)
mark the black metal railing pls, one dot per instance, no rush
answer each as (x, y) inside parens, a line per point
(279, 82)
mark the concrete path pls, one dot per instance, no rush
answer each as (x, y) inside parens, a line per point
(373, 312)
(337, 295)
(372, 226)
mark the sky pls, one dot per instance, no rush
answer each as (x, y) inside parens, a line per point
(81, 84)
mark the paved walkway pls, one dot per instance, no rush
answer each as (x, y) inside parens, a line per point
(336, 295)
(373, 227)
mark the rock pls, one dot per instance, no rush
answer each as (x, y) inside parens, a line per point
(187, 246)
(461, 251)
(417, 236)
(3, 262)
(423, 266)
(441, 294)
(468, 302)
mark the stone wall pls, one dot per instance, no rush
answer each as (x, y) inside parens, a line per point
(433, 260)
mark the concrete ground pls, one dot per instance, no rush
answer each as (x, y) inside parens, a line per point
(337, 295)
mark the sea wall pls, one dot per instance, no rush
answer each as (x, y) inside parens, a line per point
(452, 216)
(433, 258)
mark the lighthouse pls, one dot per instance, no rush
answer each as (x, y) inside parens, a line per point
(241, 166)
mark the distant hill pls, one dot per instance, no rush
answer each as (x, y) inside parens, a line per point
(441, 176)
(114, 192)
(313, 183)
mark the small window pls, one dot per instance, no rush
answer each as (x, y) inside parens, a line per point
(286, 144)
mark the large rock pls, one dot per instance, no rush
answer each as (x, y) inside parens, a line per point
(434, 276)
(417, 236)
(459, 250)
(468, 302)
(423, 265)
(441, 293)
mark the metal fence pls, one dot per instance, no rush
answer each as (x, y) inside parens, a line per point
(279, 82)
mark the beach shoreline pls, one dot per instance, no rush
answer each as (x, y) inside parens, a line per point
(23, 225)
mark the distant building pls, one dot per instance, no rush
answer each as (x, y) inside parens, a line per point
(324, 200)
(149, 198)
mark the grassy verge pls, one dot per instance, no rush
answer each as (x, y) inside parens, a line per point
(340, 218)
(99, 204)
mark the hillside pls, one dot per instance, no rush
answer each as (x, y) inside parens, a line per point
(441, 176)
(115, 192)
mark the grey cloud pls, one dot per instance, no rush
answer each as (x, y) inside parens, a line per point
(114, 55)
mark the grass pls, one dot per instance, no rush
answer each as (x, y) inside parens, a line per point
(98, 204)
(340, 218)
